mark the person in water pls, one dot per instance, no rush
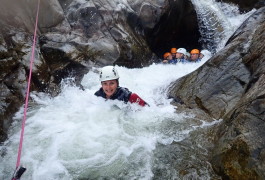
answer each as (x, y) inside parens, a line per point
(173, 52)
(110, 88)
(194, 55)
(181, 52)
(167, 57)
(204, 53)
(187, 56)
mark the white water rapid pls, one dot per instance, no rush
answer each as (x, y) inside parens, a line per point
(77, 135)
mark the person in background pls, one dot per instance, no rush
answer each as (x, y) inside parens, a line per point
(173, 53)
(180, 55)
(187, 56)
(167, 57)
(194, 55)
(110, 88)
(204, 52)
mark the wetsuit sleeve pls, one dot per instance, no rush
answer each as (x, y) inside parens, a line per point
(134, 98)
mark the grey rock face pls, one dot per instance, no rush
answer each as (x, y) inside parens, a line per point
(21, 14)
(231, 86)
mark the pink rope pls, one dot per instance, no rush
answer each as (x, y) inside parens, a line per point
(28, 89)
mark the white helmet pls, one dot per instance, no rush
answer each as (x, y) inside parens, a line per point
(205, 52)
(182, 50)
(108, 73)
(188, 54)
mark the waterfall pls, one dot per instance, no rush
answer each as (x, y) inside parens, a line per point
(217, 22)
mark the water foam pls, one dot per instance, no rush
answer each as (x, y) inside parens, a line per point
(77, 135)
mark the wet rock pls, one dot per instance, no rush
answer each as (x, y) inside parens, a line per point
(10, 103)
(231, 86)
(21, 14)
(3, 48)
(15, 58)
(108, 33)
(12, 90)
(12, 82)
(149, 12)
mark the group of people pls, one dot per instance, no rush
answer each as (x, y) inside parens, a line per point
(181, 55)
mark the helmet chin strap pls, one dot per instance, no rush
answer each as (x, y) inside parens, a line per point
(118, 84)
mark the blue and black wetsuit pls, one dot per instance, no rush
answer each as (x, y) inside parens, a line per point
(122, 94)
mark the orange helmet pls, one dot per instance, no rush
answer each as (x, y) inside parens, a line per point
(173, 50)
(166, 55)
(195, 51)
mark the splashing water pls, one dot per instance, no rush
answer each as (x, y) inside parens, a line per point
(217, 22)
(77, 135)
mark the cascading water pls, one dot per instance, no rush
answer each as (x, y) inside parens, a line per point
(217, 22)
(77, 135)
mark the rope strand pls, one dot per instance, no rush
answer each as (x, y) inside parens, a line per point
(28, 90)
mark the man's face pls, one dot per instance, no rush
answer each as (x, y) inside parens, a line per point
(169, 57)
(194, 57)
(179, 55)
(109, 87)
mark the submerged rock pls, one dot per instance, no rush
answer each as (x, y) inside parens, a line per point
(231, 86)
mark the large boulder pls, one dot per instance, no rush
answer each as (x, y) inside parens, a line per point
(103, 30)
(230, 86)
(21, 14)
